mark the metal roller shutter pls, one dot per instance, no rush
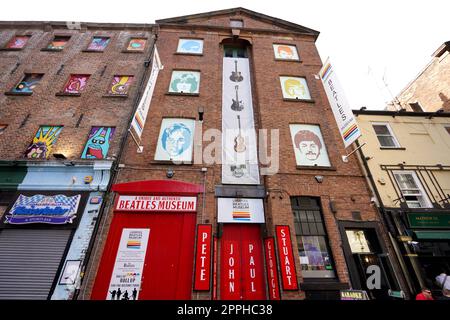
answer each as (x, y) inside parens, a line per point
(29, 260)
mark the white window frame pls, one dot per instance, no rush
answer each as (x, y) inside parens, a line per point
(426, 201)
(391, 132)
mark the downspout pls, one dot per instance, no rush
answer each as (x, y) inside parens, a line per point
(106, 205)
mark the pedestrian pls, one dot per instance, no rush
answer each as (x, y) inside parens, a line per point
(425, 294)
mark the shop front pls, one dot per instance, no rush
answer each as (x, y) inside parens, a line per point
(149, 251)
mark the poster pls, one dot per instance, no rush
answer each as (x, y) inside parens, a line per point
(341, 109)
(76, 83)
(28, 83)
(240, 210)
(98, 143)
(285, 52)
(43, 142)
(129, 265)
(239, 152)
(137, 44)
(192, 46)
(185, 82)
(120, 85)
(175, 142)
(308, 144)
(295, 88)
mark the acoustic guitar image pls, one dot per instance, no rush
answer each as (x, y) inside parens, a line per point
(239, 142)
(236, 75)
(237, 105)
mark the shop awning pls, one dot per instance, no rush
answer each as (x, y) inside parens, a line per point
(432, 234)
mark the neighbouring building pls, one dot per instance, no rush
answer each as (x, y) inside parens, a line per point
(430, 90)
(407, 160)
(199, 213)
(67, 92)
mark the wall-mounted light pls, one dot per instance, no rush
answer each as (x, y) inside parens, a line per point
(201, 111)
(170, 173)
(319, 179)
(60, 156)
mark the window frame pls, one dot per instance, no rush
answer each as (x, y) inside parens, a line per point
(127, 44)
(53, 39)
(92, 39)
(419, 185)
(286, 44)
(391, 132)
(176, 93)
(5, 48)
(190, 53)
(310, 100)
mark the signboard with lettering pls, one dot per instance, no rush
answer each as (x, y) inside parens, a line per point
(156, 204)
(429, 220)
(354, 295)
(240, 210)
(287, 264)
(271, 263)
(203, 258)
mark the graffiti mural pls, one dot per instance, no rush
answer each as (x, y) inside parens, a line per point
(98, 143)
(136, 44)
(190, 46)
(185, 82)
(58, 43)
(286, 52)
(295, 88)
(28, 83)
(76, 83)
(18, 42)
(43, 142)
(120, 85)
(98, 43)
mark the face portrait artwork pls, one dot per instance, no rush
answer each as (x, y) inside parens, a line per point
(294, 88)
(285, 52)
(190, 46)
(43, 142)
(98, 143)
(176, 139)
(185, 82)
(308, 145)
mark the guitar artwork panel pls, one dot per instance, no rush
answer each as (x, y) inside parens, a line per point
(239, 152)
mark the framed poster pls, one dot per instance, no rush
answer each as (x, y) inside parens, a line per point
(285, 52)
(70, 272)
(295, 88)
(175, 142)
(309, 147)
(191, 46)
(98, 143)
(240, 210)
(185, 82)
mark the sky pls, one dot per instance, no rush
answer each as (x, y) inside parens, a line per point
(376, 47)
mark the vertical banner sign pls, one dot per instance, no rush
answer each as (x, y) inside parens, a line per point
(231, 271)
(253, 282)
(127, 273)
(139, 118)
(239, 154)
(272, 276)
(203, 258)
(287, 265)
(341, 109)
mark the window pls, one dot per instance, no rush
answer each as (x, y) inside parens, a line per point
(43, 142)
(385, 135)
(17, 42)
(235, 52)
(416, 107)
(28, 83)
(58, 43)
(312, 240)
(137, 44)
(411, 189)
(120, 85)
(190, 46)
(76, 84)
(98, 44)
(295, 88)
(236, 23)
(98, 143)
(285, 52)
(309, 147)
(175, 140)
(185, 82)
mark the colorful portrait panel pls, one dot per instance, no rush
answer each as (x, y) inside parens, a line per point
(175, 140)
(98, 43)
(28, 83)
(98, 143)
(136, 44)
(309, 147)
(76, 83)
(295, 88)
(185, 82)
(120, 85)
(58, 43)
(285, 52)
(43, 142)
(194, 46)
(17, 42)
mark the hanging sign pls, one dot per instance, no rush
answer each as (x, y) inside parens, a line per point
(354, 295)
(287, 265)
(55, 209)
(156, 204)
(341, 109)
(272, 276)
(203, 258)
(240, 210)
(127, 273)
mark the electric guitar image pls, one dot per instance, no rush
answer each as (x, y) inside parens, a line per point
(239, 142)
(235, 75)
(237, 105)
